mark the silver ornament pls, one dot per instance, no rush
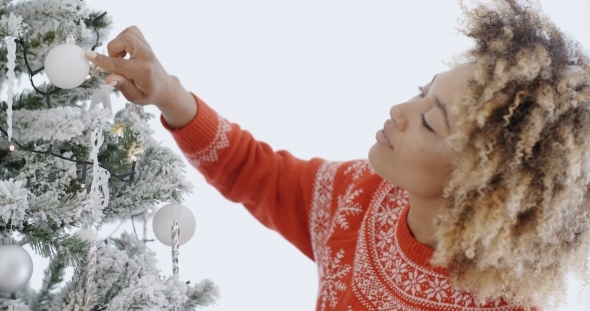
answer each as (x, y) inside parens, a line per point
(16, 268)
(175, 235)
(168, 214)
(90, 271)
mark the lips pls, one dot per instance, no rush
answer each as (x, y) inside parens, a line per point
(385, 131)
(382, 137)
(388, 123)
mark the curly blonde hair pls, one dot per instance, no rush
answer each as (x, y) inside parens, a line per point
(517, 217)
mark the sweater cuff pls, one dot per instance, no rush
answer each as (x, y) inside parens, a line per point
(199, 132)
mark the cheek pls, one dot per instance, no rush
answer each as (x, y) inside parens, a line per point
(434, 162)
(416, 162)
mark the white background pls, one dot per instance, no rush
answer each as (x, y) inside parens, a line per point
(314, 77)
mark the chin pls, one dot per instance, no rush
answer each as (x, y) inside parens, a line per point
(378, 161)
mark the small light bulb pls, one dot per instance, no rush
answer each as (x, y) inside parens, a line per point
(88, 77)
(150, 211)
(11, 147)
(118, 130)
(82, 186)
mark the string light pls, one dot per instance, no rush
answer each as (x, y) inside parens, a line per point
(117, 129)
(11, 147)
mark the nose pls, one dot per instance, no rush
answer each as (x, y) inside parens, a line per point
(398, 115)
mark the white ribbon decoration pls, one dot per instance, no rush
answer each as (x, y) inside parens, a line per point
(11, 47)
(100, 176)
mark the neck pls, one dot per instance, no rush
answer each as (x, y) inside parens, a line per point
(421, 217)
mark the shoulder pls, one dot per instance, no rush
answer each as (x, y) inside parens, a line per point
(342, 175)
(337, 181)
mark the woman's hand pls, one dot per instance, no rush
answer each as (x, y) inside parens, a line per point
(142, 79)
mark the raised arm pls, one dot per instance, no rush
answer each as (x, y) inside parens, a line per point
(276, 187)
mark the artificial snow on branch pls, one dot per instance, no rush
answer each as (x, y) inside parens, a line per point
(42, 182)
(55, 124)
(130, 279)
(11, 25)
(13, 200)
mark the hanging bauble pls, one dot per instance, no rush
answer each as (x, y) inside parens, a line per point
(164, 220)
(119, 114)
(16, 268)
(66, 65)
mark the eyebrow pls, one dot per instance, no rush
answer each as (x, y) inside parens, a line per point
(440, 104)
(442, 107)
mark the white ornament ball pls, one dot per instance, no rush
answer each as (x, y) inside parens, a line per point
(164, 219)
(66, 66)
(16, 268)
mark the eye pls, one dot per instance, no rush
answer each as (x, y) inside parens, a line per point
(421, 90)
(426, 124)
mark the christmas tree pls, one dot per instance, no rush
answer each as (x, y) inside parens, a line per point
(64, 165)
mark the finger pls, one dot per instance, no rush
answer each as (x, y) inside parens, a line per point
(117, 65)
(113, 52)
(134, 30)
(127, 87)
(118, 55)
(126, 43)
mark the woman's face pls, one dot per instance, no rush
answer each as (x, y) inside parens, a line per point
(411, 151)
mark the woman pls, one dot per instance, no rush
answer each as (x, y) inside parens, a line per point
(473, 197)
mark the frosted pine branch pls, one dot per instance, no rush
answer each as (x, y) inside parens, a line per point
(14, 305)
(130, 278)
(67, 249)
(11, 26)
(13, 202)
(56, 124)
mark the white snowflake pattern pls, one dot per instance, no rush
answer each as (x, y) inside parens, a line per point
(388, 215)
(438, 289)
(400, 268)
(385, 238)
(331, 273)
(398, 196)
(408, 285)
(414, 281)
(320, 219)
(347, 207)
(464, 299)
(388, 257)
(346, 204)
(358, 167)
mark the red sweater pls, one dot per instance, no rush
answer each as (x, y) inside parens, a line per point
(342, 215)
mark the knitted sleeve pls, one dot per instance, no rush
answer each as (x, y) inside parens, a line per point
(275, 187)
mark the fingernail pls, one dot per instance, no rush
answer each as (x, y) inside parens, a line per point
(91, 54)
(113, 83)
